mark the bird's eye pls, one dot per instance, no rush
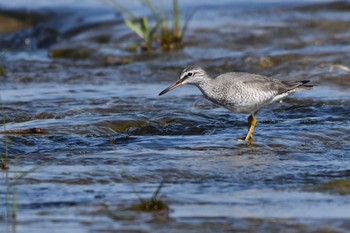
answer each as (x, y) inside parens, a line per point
(189, 74)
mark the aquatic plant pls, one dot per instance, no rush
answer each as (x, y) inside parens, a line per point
(4, 158)
(160, 32)
(11, 199)
(141, 28)
(150, 205)
(153, 204)
(12, 190)
(2, 70)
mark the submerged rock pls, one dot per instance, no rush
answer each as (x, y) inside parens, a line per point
(340, 186)
(2, 70)
(266, 62)
(72, 50)
(44, 27)
(14, 20)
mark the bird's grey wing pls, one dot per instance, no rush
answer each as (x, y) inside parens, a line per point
(249, 86)
(248, 89)
(266, 84)
(247, 93)
(263, 84)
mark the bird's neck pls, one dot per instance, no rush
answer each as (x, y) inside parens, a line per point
(206, 86)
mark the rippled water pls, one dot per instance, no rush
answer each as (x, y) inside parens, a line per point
(106, 137)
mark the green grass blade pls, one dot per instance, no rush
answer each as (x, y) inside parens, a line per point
(188, 17)
(154, 29)
(165, 33)
(152, 8)
(119, 8)
(176, 20)
(135, 28)
(144, 25)
(156, 192)
(18, 178)
(4, 163)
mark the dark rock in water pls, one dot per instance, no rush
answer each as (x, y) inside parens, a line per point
(74, 51)
(18, 19)
(2, 70)
(10, 24)
(18, 26)
(339, 186)
(80, 51)
(341, 6)
(26, 131)
(46, 26)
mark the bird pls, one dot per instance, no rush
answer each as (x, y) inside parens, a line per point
(239, 92)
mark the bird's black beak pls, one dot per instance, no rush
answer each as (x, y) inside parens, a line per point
(171, 87)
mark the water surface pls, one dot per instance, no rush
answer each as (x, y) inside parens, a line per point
(107, 137)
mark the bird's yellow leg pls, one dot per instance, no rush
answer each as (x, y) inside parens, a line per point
(251, 126)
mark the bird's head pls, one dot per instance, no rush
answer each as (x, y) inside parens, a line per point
(191, 75)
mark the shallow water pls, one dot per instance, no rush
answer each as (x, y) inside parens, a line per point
(105, 132)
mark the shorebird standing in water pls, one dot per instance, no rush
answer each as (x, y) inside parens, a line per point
(239, 92)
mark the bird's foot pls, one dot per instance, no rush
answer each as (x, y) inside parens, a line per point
(244, 139)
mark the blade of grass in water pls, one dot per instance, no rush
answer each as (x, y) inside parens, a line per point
(4, 158)
(119, 8)
(176, 21)
(188, 17)
(135, 28)
(153, 9)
